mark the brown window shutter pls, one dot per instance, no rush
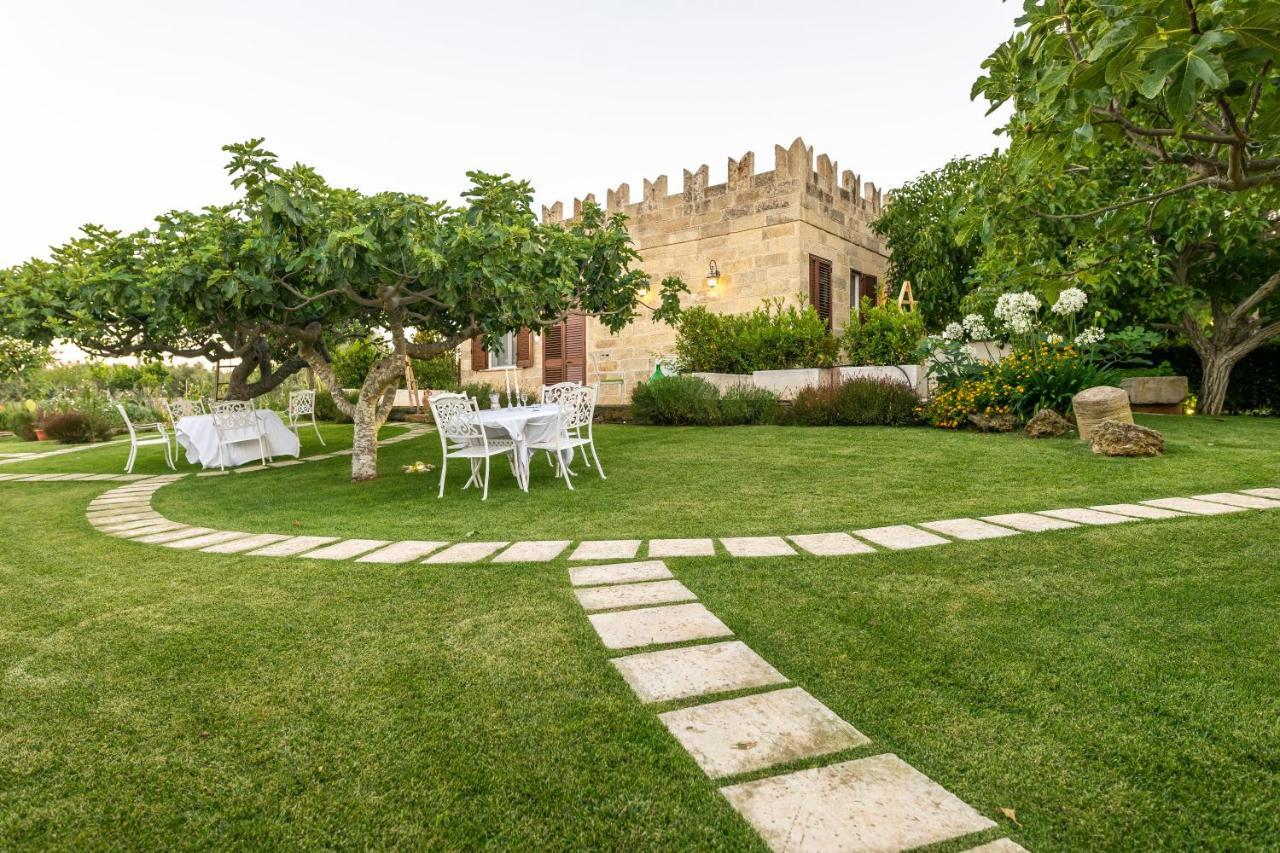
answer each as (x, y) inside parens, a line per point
(553, 354)
(524, 348)
(479, 357)
(575, 347)
(820, 287)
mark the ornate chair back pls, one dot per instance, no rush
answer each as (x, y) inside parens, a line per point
(457, 416)
(302, 403)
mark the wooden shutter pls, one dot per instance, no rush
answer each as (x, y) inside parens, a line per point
(575, 348)
(524, 348)
(553, 354)
(820, 287)
(872, 284)
(479, 358)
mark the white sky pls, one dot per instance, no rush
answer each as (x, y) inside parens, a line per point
(115, 111)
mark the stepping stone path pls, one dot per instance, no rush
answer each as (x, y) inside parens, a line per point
(532, 552)
(402, 552)
(607, 549)
(682, 548)
(900, 537)
(1194, 506)
(969, 529)
(874, 803)
(1086, 516)
(758, 546)
(832, 544)
(633, 595)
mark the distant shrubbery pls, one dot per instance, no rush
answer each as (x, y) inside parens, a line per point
(771, 337)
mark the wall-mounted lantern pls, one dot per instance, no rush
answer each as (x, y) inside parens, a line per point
(713, 276)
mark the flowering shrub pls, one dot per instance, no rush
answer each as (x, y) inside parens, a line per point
(856, 402)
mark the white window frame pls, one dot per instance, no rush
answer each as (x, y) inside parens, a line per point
(504, 355)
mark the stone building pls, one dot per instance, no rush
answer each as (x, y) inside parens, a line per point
(800, 232)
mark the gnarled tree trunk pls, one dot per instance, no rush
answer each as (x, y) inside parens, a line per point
(371, 408)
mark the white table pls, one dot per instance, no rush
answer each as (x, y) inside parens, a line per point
(197, 435)
(524, 425)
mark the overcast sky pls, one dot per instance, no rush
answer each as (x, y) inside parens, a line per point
(115, 111)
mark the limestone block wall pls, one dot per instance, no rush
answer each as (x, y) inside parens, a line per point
(760, 228)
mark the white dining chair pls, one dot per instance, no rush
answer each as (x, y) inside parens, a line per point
(177, 409)
(236, 422)
(136, 440)
(551, 393)
(303, 404)
(576, 413)
(462, 436)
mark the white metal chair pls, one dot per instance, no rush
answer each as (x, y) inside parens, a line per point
(303, 404)
(576, 412)
(135, 441)
(236, 422)
(462, 436)
(614, 377)
(553, 393)
(177, 409)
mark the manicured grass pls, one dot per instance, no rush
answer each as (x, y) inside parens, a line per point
(735, 481)
(1116, 687)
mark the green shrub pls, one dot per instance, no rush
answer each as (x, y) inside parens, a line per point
(856, 402)
(68, 427)
(677, 401)
(885, 334)
(327, 410)
(352, 360)
(20, 422)
(772, 337)
(746, 404)
(481, 392)
(436, 374)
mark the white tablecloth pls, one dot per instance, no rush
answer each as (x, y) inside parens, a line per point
(524, 425)
(197, 436)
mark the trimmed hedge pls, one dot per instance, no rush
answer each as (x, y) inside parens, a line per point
(1255, 381)
(856, 402)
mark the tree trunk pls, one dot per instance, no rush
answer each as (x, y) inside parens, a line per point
(1216, 366)
(372, 408)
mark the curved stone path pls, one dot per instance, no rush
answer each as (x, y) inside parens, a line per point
(120, 511)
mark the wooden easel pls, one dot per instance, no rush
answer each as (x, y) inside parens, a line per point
(411, 383)
(906, 299)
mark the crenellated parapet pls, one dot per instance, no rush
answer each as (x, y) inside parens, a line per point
(795, 170)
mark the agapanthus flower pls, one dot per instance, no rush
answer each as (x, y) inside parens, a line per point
(953, 332)
(1017, 311)
(976, 327)
(1054, 339)
(1091, 335)
(1070, 301)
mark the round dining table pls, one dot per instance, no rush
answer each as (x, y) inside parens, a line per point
(525, 425)
(197, 435)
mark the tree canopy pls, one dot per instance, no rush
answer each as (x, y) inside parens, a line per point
(1144, 158)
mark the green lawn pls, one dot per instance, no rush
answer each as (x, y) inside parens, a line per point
(1115, 687)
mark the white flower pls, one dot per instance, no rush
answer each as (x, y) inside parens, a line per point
(976, 326)
(1070, 301)
(1054, 339)
(1017, 311)
(953, 332)
(1091, 335)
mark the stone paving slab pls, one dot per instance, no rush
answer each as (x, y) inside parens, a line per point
(465, 552)
(1243, 501)
(1193, 506)
(696, 671)
(900, 537)
(871, 804)
(1274, 494)
(1000, 845)
(212, 473)
(606, 549)
(108, 519)
(649, 626)
(532, 552)
(633, 595)
(141, 528)
(969, 529)
(1080, 515)
(169, 535)
(645, 570)
(284, 463)
(1029, 522)
(4, 477)
(207, 539)
(758, 546)
(763, 730)
(682, 548)
(237, 546)
(293, 545)
(402, 552)
(123, 526)
(1139, 511)
(831, 544)
(248, 468)
(116, 509)
(100, 476)
(346, 549)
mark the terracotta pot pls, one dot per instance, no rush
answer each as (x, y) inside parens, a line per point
(41, 435)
